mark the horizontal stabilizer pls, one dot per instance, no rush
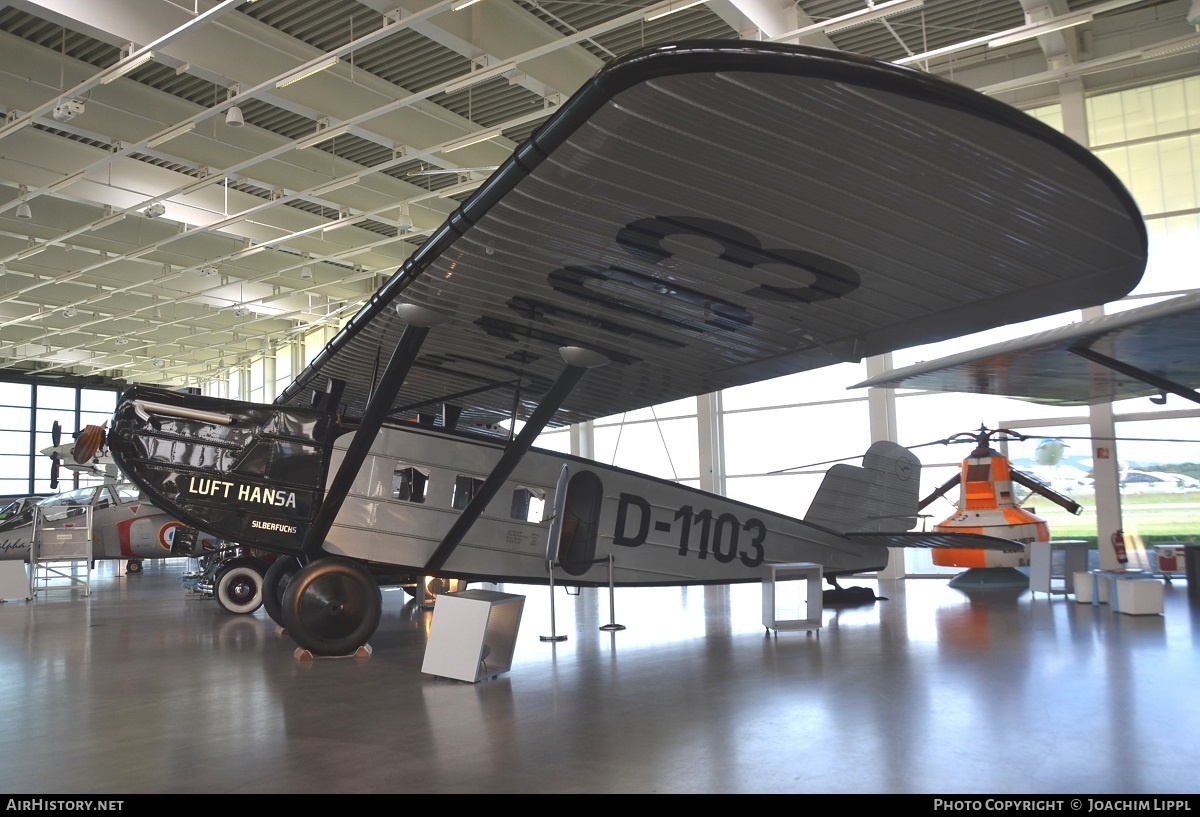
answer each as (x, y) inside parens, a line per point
(939, 540)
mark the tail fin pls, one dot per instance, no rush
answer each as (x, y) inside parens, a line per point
(879, 496)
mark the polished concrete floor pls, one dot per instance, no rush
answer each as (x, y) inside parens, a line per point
(142, 687)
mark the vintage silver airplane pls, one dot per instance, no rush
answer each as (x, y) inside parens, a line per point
(698, 216)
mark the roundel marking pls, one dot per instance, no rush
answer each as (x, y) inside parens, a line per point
(166, 535)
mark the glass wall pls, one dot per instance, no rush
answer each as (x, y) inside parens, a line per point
(27, 417)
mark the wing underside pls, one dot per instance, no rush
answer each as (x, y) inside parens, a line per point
(714, 214)
(1137, 353)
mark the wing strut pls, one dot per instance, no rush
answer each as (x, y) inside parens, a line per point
(376, 411)
(1136, 373)
(578, 362)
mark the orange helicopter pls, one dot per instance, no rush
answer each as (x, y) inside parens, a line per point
(988, 505)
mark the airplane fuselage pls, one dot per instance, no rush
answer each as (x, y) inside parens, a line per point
(124, 526)
(655, 531)
(258, 475)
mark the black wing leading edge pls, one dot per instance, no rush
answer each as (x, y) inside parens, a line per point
(711, 214)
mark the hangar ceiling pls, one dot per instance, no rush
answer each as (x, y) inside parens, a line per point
(184, 185)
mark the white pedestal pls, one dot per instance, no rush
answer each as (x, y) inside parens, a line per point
(1083, 586)
(791, 597)
(14, 580)
(473, 634)
(1139, 597)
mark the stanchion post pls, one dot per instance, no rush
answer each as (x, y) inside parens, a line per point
(553, 634)
(612, 609)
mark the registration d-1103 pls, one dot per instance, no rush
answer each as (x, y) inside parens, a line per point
(696, 531)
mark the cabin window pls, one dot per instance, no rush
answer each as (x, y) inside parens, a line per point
(409, 483)
(464, 488)
(528, 504)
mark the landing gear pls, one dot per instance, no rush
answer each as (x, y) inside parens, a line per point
(332, 606)
(134, 567)
(239, 585)
(275, 584)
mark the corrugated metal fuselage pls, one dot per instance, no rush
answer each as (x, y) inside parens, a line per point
(656, 532)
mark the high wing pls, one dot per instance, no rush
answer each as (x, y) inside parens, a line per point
(1141, 352)
(710, 214)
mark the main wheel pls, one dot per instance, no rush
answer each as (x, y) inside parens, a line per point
(133, 568)
(239, 585)
(332, 606)
(275, 583)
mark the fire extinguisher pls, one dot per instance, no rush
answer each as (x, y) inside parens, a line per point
(1118, 543)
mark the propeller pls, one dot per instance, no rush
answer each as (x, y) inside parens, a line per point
(55, 460)
(88, 443)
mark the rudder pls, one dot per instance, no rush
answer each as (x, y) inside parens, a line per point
(879, 496)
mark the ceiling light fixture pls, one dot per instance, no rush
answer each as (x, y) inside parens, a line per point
(476, 77)
(1034, 30)
(31, 251)
(233, 117)
(473, 139)
(462, 5)
(125, 66)
(65, 182)
(15, 125)
(454, 190)
(171, 134)
(336, 184)
(109, 218)
(320, 136)
(854, 18)
(23, 210)
(67, 109)
(305, 73)
(306, 272)
(1170, 48)
(672, 8)
(878, 12)
(403, 218)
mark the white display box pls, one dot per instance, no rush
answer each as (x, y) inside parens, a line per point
(1083, 586)
(14, 581)
(473, 634)
(791, 597)
(1139, 597)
